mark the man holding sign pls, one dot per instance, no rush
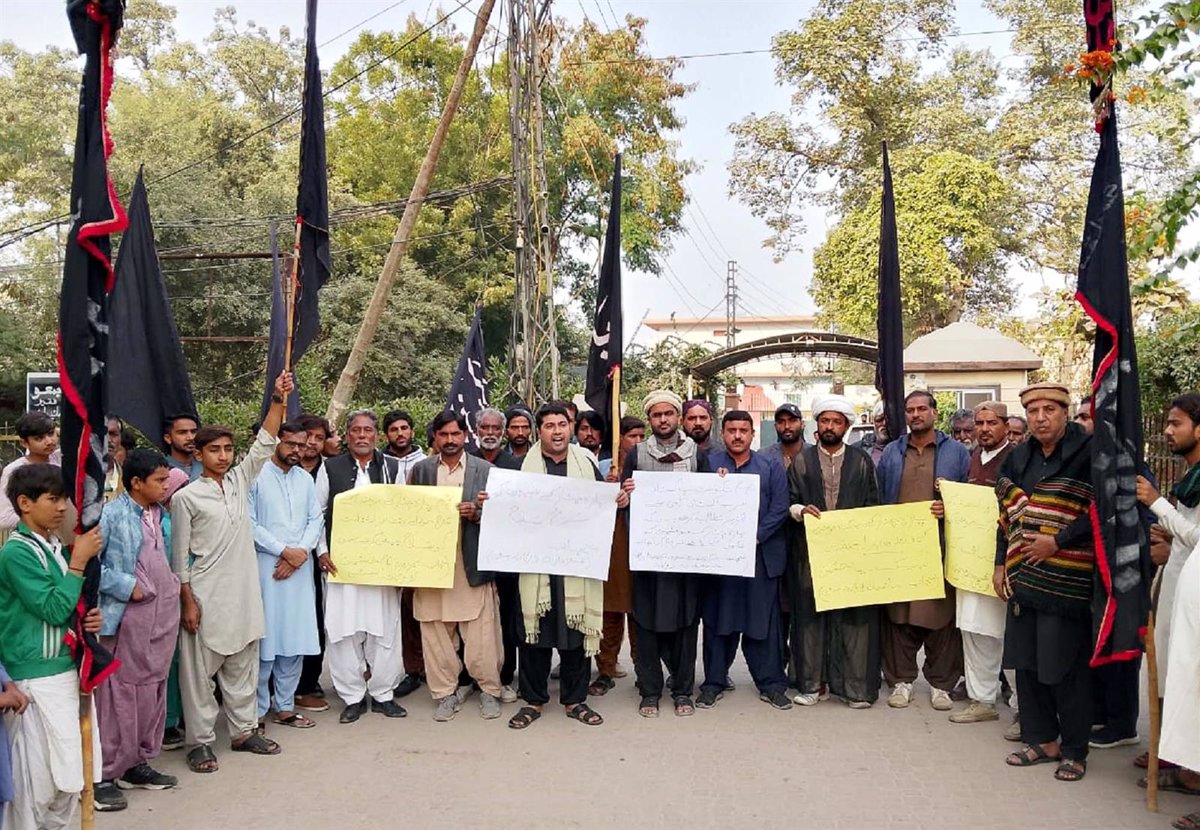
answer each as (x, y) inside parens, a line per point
(559, 612)
(746, 609)
(467, 614)
(908, 471)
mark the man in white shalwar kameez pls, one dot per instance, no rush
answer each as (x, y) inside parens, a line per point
(287, 524)
(1180, 743)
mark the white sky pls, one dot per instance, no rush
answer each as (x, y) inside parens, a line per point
(727, 89)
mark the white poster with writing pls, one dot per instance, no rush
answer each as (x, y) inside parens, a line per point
(547, 524)
(693, 523)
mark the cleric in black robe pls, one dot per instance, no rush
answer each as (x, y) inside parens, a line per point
(833, 651)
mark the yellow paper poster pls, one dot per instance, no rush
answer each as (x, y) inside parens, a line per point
(389, 535)
(874, 555)
(971, 514)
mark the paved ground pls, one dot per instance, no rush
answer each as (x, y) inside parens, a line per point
(739, 765)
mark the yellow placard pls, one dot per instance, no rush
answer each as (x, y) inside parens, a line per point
(384, 534)
(874, 555)
(971, 515)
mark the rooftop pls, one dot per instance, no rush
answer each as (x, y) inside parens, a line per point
(965, 345)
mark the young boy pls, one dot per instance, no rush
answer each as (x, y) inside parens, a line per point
(139, 600)
(39, 589)
(38, 435)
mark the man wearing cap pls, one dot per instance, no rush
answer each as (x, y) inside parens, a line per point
(981, 618)
(1045, 562)
(666, 606)
(832, 651)
(908, 471)
(789, 426)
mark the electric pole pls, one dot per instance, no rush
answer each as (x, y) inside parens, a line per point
(533, 355)
(730, 304)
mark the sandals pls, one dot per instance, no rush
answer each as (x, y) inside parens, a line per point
(295, 720)
(601, 685)
(1170, 781)
(1071, 770)
(256, 744)
(684, 707)
(1143, 761)
(1021, 758)
(648, 708)
(1189, 822)
(585, 714)
(202, 759)
(524, 717)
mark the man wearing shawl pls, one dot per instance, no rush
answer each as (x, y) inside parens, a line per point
(835, 651)
(1045, 562)
(666, 606)
(745, 609)
(559, 612)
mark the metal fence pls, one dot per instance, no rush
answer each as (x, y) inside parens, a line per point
(1167, 467)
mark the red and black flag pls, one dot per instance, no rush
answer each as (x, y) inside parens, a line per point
(468, 392)
(83, 307)
(604, 355)
(889, 365)
(1122, 596)
(312, 199)
(147, 379)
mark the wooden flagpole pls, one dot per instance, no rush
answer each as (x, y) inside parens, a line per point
(87, 808)
(616, 419)
(293, 284)
(1155, 717)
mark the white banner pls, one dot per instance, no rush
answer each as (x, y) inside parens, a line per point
(547, 524)
(693, 523)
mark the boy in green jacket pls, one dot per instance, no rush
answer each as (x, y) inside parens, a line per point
(39, 590)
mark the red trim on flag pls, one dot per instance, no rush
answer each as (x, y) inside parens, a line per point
(85, 436)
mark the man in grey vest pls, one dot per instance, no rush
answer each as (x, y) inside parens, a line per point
(666, 606)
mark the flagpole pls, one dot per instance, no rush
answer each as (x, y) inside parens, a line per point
(87, 809)
(616, 419)
(291, 298)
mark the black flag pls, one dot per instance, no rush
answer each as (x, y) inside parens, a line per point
(83, 306)
(1122, 597)
(607, 335)
(468, 392)
(312, 199)
(147, 377)
(277, 337)
(889, 365)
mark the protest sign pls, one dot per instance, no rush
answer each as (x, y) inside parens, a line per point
(971, 515)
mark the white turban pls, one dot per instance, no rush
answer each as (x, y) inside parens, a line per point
(834, 403)
(662, 396)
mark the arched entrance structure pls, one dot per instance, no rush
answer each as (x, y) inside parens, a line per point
(820, 343)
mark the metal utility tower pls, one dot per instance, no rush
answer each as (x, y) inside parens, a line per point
(730, 304)
(533, 350)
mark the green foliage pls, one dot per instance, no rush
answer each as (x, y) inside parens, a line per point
(665, 365)
(1168, 363)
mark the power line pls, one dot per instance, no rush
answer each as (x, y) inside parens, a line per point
(360, 24)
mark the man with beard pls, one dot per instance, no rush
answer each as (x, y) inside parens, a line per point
(466, 614)
(362, 622)
(398, 432)
(1045, 566)
(666, 606)
(1181, 522)
(179, 440)
(589, 434)
(981, 618)
(835, 651)
(1018, 429)
(962, 427)
(789, 426)
(489, 428)
(698, 423)
(518, 431)
(908, 472)
(559, 612)
(288, 522)
(309, 694)
(874, 442)
(745, 610)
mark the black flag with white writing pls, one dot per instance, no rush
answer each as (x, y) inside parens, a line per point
(88, 276)
(889, 365)
(312, 199)
(468, 392)
(607, 332)
(147, 378)
(1121, 600)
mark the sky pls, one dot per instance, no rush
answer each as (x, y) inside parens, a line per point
(726, 89)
